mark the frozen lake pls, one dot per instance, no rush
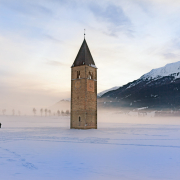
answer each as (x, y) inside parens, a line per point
(45, 148)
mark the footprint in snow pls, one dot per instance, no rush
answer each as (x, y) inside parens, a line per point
(11, 160)
(29, 165)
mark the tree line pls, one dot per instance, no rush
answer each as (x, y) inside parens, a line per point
(42, 112)
(48, 112)
(13, 112)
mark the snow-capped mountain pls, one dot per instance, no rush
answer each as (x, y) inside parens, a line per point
(172, 69)
(159, 88)
(103, 92)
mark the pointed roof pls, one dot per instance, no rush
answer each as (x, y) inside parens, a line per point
(84, 56)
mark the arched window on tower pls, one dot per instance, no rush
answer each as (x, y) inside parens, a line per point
(79, 118)
(90, 75)
(78, 74)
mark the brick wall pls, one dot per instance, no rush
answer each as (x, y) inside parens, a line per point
(83, 101)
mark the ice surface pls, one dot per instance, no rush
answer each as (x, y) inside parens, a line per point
(44, 148)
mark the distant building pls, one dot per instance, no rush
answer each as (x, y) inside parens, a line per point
(84, 90)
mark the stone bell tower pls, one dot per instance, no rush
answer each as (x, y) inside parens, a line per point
(84, 90)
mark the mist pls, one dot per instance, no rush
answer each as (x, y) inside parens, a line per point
(27, 100)
(113, 116)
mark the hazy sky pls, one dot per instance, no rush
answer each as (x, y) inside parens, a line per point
(39, 40)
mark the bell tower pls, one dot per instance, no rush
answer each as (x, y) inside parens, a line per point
(83, 90)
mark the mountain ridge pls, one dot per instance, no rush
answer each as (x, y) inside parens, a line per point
(159, 88)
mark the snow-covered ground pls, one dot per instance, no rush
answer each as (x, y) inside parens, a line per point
(44, 148)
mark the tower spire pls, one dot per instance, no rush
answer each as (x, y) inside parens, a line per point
(84, 56)
(84, 33)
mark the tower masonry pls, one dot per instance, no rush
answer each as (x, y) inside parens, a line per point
(84, 90)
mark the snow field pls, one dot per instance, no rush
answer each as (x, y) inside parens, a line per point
(129, 149)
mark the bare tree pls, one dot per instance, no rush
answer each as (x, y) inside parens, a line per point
(45, 112)
(41, 110)
(67, 112)
(49, 112)
(62, 113)
(4, 111)
(13, 112)
(58, 112)
(34, 111)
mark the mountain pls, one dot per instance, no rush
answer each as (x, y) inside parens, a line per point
(158, 89)
(103, 92)
(63, 104)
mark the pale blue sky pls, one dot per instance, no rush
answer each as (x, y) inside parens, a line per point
(39, 41)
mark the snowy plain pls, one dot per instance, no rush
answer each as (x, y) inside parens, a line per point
(122, 148)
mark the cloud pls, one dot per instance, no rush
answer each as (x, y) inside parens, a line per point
(51, 38)
(169, 51)
(56, 63)
(38, 36)
(111, 13)
(170, 55)
(26, 7)
(114, 16)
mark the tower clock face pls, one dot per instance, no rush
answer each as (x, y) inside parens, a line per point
(77, 84)
(90, 85)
